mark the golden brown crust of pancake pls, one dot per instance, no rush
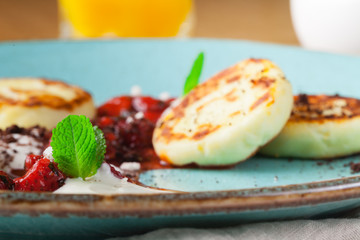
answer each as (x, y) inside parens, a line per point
(227, 76)
(38, 99)
(321, 108)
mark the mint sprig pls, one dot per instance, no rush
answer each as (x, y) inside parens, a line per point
(78, 147)
(193, 78)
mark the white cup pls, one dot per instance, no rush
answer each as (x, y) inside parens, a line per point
(327, 25)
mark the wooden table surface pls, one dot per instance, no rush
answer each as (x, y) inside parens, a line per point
(259, 20)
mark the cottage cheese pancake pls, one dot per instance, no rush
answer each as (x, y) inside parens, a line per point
(30, 101)
(227, 118)
(320, 126)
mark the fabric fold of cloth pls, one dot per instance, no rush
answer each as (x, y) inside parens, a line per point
(296, 229)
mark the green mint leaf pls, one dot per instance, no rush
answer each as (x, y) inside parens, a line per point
(193, 78)
(76, 147)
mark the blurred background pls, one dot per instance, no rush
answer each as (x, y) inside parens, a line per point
(259, 20)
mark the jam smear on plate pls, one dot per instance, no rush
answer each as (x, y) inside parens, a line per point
(6, 183)
(128, 124)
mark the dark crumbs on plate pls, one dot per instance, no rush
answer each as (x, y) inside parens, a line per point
(355, 167)
(17, 142)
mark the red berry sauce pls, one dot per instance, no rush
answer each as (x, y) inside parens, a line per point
(6, 183)
(43, 176)
(128, 124)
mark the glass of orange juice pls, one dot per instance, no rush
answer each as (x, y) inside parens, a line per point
(125, 18)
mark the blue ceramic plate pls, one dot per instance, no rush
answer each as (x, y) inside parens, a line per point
(256, 190)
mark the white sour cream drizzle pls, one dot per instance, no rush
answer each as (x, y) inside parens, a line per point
(103, 182)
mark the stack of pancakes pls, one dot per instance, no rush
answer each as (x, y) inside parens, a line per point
(248, 108)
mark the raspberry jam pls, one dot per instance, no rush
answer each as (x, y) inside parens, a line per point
(128, 124)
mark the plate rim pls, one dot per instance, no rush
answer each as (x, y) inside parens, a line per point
(173, 40)
(132, 205)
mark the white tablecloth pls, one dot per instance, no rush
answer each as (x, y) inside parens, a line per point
(327, 229)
